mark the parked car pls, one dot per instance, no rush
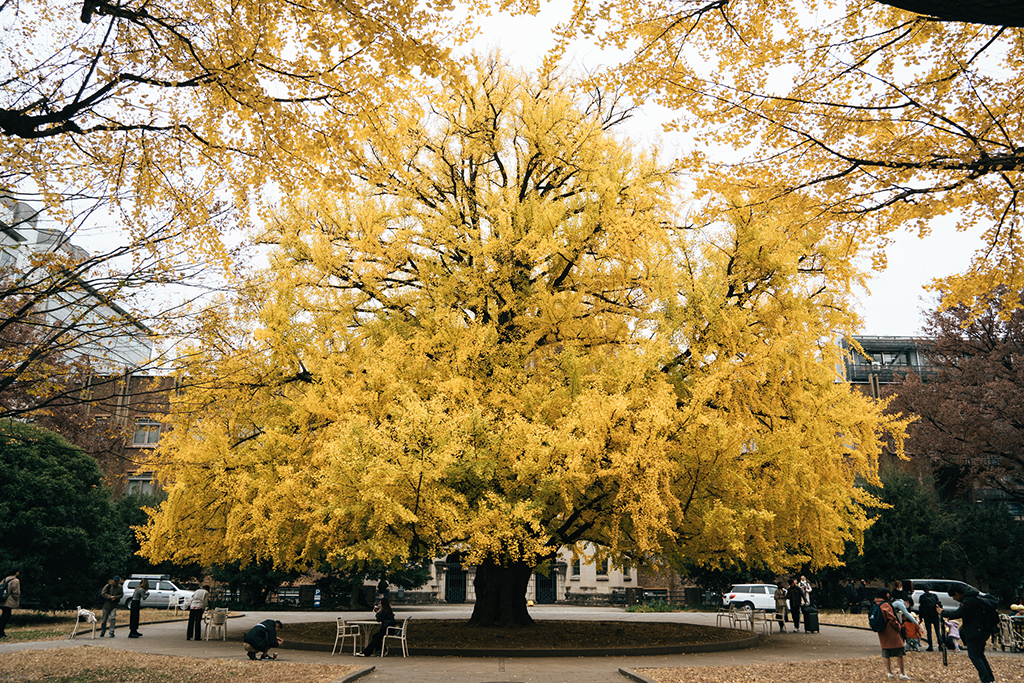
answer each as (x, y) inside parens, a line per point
(941, 588)
(162, 592)
(751, 596)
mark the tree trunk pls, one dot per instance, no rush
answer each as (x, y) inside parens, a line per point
(501, 595)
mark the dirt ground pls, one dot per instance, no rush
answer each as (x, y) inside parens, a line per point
(920, 666)
(100, 665)
(29, 625)
(544, 634)
(554, 634)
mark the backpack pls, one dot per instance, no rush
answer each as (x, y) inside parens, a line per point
(3, 589)
(876, 619)
(989, 614)
(929, 601)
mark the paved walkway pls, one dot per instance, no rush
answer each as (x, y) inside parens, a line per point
(831, 643)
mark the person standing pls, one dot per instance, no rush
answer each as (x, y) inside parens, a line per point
(13, 600)
(805, 586)
(862, 595)
(929, 615)
(891, 637)
(141, 593)
(261, 637)
(852, 603)
(195, 613)
(383, 588)
(780, 606)
(110, 596)
(972, 631)
(796, 599)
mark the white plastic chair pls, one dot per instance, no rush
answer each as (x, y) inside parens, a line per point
(761, 617)
(217, 619)
(86, 615)
(744, 617)
(346, 631)
(396, 633)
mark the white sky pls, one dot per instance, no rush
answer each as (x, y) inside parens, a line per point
(897, 298)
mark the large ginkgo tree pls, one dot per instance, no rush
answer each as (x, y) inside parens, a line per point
(509, 342)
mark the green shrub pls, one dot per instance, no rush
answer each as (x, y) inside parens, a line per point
(655, 606)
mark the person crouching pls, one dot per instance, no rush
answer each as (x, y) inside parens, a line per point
(261, 637)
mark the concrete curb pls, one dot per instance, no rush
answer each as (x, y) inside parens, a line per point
(638, 677)
(364, 671)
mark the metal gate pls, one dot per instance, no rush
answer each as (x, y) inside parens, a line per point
(546, 588)
(455, 583)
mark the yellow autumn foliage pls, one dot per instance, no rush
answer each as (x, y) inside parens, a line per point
(878, 118)
(154, 112)
(504, 341)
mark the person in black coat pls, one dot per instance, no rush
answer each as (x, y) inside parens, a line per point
(929, 613)
(796, 599)
(852, 603)
(386, 616)
(972, 632)
(262, 637)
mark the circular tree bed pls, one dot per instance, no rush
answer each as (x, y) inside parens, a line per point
(547, 637)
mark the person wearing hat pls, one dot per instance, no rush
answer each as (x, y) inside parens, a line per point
(110, 596)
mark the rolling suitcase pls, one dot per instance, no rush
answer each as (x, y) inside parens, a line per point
(810, 614)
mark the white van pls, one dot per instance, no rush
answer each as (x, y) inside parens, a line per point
(162, 591)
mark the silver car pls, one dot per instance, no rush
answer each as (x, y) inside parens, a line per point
(161, 593)
(940, 587)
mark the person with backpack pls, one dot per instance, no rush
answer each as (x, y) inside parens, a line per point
(883, 621)
(979, 619)
(929, 615)
(110, 598)
(11, 591)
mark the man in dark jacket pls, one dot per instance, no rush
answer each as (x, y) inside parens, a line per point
(930, 614)
(796, 599)
(972, 631)
(262, 637)
(111, 596)
(852, 603)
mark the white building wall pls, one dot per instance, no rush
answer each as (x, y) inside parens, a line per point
(110, 337)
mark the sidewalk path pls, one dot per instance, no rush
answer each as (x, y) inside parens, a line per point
(169, 639)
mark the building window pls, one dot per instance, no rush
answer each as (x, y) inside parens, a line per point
(140, 484)
(575, 570)
(602, 569)
(147, 434)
